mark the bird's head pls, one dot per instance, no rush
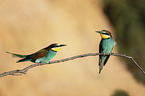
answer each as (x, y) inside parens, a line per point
(105, 34)
(56, 47)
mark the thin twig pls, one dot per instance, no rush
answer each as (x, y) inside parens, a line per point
(24, 70)
(129, 57)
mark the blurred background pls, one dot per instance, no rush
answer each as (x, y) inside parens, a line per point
(29, 25)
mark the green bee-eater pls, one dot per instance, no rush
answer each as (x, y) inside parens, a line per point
(42, 56)
(106, 45)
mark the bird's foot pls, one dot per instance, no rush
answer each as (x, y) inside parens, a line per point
(104, 54)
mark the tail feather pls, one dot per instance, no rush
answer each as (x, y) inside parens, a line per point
(23, 60)
(17, 55)
(101, 67)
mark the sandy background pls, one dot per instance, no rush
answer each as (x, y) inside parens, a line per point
(29, 25)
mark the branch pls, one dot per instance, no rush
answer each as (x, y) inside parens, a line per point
(24, 70)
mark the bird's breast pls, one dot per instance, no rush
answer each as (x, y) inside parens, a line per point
(107, 45)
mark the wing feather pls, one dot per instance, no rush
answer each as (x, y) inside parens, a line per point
(39, 54)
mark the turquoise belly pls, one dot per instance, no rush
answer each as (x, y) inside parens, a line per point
(107, 45)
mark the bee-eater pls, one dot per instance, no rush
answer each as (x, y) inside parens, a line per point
(106, 45)
(42, 56)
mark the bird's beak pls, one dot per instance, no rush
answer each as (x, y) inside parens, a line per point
(99, 32)
(62, 45)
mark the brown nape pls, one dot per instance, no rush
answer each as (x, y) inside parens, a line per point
(50, 46)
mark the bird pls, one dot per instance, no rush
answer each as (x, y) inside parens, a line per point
(106, 46)
(42, 56)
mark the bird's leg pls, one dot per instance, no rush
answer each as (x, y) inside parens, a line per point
(103, 54)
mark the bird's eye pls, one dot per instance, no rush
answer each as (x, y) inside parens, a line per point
(103, 31)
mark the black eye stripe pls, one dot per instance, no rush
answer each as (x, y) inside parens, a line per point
(106, 33)
(55, 46)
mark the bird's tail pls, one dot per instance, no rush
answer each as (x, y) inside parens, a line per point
(101, 67)
(23, 60)
(17, 55)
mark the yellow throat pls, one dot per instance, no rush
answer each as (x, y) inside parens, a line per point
(104, 36)
(56, 49)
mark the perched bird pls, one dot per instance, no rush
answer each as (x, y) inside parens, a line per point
(42, 56)
(106, 45)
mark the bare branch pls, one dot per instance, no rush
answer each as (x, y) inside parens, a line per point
(24, 70)
(129, 57)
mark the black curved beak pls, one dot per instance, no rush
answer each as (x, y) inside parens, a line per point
(62, 45)
(99, 32)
